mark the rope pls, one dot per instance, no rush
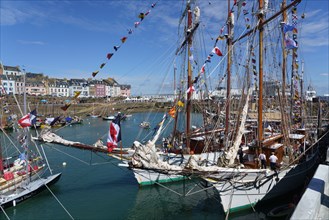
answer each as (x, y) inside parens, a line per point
(59, 201)
(3, 210)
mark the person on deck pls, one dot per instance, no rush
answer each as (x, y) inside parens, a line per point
(262, 158)
(240, 153)
(273, 160)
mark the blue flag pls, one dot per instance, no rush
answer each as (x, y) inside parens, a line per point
(288, 27)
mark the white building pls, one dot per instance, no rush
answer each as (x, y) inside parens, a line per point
(310, 93)
(7, 85)
(12, 71)
(59, 89)
(79, 85)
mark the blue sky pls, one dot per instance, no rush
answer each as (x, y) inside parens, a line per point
(70, 39)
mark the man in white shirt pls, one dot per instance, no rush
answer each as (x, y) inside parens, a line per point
(262, 158)
(273, 160)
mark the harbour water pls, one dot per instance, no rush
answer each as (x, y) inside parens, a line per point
(93, 186)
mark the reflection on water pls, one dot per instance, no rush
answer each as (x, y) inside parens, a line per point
(157, 202)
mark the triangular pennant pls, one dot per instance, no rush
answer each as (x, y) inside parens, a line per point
(102, 65)
(217, 51)
(109, 55)
(116, 48)
(123, 39)
(95, 73)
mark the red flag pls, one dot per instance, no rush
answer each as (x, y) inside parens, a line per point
(217, 51)
(65, 107)
(123, 39)
(190, 90)
(109, 55)
(203, 68)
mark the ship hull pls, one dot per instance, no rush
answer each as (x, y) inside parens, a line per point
(30, 190)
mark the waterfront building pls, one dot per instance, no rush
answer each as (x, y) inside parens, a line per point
(79, 85)
(11, 71)
(8, 85)
(58, 88)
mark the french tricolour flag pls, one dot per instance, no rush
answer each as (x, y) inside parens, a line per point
(114, 136)
(28, 120)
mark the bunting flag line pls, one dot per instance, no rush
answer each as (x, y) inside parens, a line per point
(142, 16)
(67, 105)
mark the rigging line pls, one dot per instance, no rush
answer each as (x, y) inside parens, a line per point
(224, 57)
(297, 158)
(230, 203)
(5, 133)
(59, 201)
(53, 147)
(3, 211)
(45, 156)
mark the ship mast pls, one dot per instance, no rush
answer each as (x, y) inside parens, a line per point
(260, 87)
(284, 57)
(302, 94)
(260, 26)
(189, 76)
(228, 71)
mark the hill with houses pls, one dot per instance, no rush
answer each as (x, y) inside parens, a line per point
(37, 84)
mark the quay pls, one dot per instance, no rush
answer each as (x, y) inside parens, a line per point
(314, 203)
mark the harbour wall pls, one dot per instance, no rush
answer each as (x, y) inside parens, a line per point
(314, 203)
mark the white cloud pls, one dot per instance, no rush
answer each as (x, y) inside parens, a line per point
(31, 42)
(314, 30)
(11, 16)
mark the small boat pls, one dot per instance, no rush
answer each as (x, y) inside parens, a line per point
(74, 120)
(109, 117)
(24, 172)
(145, 125)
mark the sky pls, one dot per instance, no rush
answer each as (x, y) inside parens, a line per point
(70, 39)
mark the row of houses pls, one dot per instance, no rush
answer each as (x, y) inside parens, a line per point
(14, 81)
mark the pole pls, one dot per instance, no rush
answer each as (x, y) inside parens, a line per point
(189, 79)
(228, 71)
(260, 87)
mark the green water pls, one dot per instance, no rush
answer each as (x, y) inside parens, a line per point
(92, 186)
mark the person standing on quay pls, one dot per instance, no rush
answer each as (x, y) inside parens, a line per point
(262, 158)
(273, 160)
